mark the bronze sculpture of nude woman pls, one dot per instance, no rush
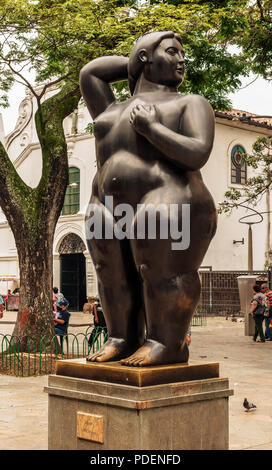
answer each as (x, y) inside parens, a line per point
(150, 149)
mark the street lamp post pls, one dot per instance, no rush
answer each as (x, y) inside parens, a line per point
(250, 250)
(249, 241)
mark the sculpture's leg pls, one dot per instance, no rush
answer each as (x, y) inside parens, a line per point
(170, 277)
(120, 293)
(170, 304)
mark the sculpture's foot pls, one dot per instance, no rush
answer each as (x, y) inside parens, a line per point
(113, 349)
(154, 353)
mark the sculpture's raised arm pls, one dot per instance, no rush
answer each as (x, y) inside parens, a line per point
(95, 79)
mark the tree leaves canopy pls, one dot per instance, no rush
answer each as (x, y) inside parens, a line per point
(55, 38)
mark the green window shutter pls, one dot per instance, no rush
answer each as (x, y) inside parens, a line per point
(72, 197)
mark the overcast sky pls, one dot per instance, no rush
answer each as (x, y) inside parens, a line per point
(255, 98)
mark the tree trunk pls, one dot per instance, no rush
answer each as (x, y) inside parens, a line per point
(35, 318)
(32, 214)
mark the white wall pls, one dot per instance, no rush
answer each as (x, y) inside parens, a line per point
(30, 169)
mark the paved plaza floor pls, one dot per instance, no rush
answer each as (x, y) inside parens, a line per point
(23, 404)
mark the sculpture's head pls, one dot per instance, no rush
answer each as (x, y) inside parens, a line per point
(160, 57)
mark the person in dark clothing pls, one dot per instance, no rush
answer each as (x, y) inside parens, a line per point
(2, 308)
(99, 321)
(268, 314)
(258, 306)
(62, 319)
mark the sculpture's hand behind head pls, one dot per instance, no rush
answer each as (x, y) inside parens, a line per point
(160, 57)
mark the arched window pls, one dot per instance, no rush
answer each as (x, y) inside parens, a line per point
(238, 165)
(72, 196)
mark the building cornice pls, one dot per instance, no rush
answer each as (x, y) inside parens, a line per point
(8, 258)
(70, 218)
(4, 224)
(36, 146)
(63, 219)
(232, 120)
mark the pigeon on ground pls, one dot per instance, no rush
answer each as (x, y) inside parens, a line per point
(248, 406)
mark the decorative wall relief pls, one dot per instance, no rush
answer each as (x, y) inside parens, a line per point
(25, 114)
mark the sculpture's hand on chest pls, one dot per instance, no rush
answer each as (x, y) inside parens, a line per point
(135, 116)
(142, 117)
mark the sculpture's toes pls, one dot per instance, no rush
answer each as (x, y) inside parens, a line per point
(110, 353)
(112, 350)
(137, 362)
(134, 362)
(127, 360)
(92, 357)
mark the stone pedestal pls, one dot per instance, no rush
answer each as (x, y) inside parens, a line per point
(89, 414)
(245, 284)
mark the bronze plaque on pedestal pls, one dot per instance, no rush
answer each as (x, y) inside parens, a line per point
(90, 427)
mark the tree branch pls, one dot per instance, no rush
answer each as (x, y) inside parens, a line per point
(49, 124)
(54, 82)
(25, 81)
(13, 190)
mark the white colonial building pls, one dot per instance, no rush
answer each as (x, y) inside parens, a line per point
(73, 269)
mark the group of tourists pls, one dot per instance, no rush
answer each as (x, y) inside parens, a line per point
(62, 316)
(261, 309)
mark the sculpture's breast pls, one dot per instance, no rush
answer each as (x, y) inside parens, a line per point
(102, 126)
(105, 121)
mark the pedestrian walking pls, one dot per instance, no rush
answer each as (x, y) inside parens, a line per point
(59, 295)
(2, 309)
(268, 313)
(258, 307)
(99, 321)
(188, 336)
(54, 299)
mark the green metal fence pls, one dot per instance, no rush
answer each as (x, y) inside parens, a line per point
(199, 318)
(40, 358)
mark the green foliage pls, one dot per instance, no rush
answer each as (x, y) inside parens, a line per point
(256, 42)
(58, 37)
(89, 128)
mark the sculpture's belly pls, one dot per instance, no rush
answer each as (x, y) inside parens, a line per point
(127, 177)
